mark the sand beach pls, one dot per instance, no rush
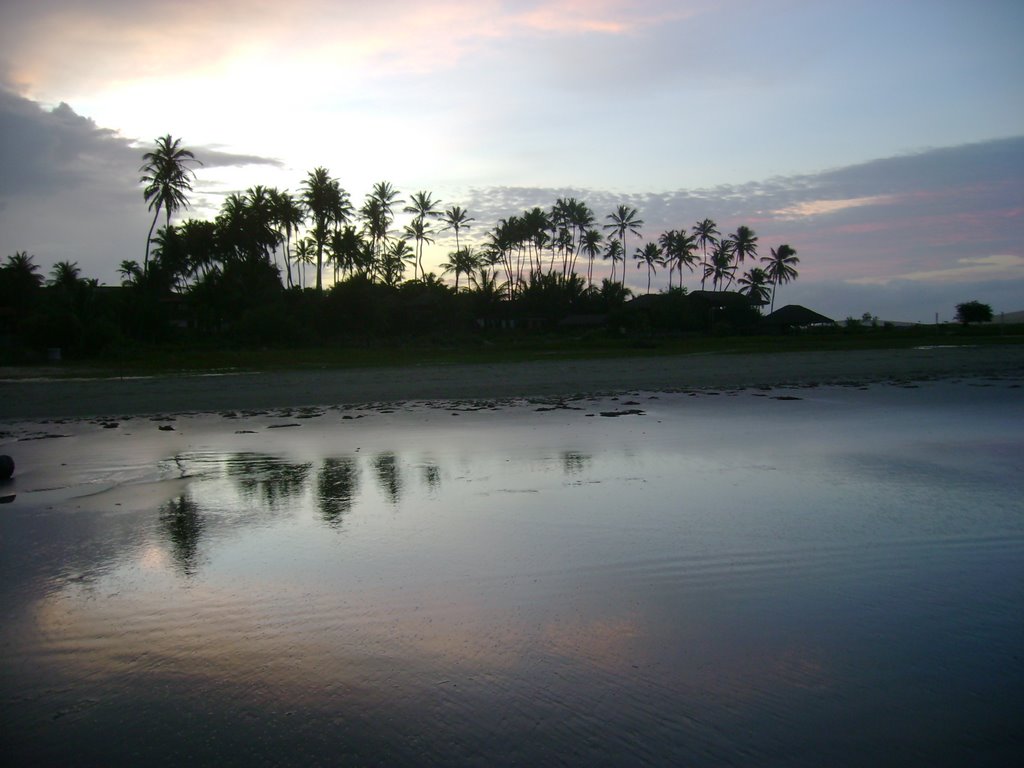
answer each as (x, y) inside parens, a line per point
(30, 398)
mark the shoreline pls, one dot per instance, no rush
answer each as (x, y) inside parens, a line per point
(27, 400)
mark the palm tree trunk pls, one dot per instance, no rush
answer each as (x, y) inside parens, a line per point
(149, 238)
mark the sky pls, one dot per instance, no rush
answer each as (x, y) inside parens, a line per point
(884, 141)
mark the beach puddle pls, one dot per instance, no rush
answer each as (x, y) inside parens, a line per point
(824, 578)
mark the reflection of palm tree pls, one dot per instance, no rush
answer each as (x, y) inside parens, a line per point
(780, 267)
(385, 465)
(272, 479)
(337, 485)
(183, 525)
(167, 177)
(574, 462)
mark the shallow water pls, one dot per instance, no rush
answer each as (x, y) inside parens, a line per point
(702, 579)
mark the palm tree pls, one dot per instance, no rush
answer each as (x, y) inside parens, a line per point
(744, 244)
(420, 232)
(424, 207)
(456, 218)
(327, 204)
(131, 272)
(624, 220)
(289, 216)
(615, 252)
(167, 177)
(24, 271)
(721, 267)
(305, 253)
(591, 241)
(754, 284)
(780, 267)
(65, 274)
(463, 262)
(650, 255)
(392, 264)
(705, 232)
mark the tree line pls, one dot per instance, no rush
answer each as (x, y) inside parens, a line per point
(321, 228)
(246, 271)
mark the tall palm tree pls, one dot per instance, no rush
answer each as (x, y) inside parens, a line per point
(744, 244)
(615, 252)
(780, 267)
(289, 216)
(379, 215)
(424, 207)
(456, 218)
(419, 230)
(650, 255)
(591, 241)
(705, 232)
(305, 253)
(624, 220)
(327, 204)
(167, 179)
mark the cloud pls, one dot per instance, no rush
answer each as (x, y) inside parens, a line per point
(819, 207)
(70, 189)
(976, 269)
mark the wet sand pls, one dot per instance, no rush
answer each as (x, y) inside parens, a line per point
(43, 399)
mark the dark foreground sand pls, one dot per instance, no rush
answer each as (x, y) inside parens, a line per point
(43, 399)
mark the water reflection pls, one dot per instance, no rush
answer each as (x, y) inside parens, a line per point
(598, 615)
(574, 462)
(267, 478)
(183, 523)
(337, 484)
(385, 466)
(432, 475)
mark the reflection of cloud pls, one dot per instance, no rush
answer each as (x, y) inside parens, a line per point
(970, 270)
(604, 643)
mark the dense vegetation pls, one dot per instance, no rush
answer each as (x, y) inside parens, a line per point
(241, 279)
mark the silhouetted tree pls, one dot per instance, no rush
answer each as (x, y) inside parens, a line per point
(780, 267)
(650, 255)
(624, 219)
(973, 312)
(167, 179)
(705, 231)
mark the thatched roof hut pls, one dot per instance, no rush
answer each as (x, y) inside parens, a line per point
(794, 315)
